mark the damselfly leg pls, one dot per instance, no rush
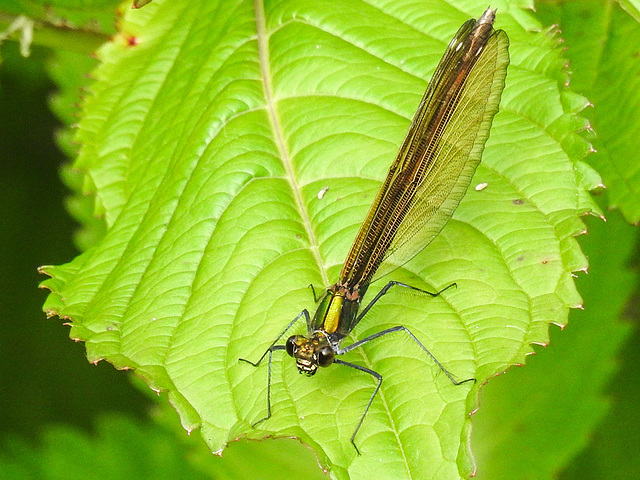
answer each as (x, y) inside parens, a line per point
(272, 348)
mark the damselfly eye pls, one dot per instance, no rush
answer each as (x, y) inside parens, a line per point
(325, 356)
(291, 344)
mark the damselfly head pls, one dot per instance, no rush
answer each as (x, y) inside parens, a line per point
(310, 353)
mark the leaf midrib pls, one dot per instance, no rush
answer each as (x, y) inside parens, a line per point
(264, 61)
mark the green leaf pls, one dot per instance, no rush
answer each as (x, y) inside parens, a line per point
(149, 451)
(69, 71)
(535, 419)
(87, 15)
(632, 7)
(606, 454)
(69, 453)
(208, 134)
(606, 69)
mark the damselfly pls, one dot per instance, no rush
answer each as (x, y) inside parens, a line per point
(425, 184)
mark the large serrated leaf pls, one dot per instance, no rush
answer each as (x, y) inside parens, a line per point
(210, 131)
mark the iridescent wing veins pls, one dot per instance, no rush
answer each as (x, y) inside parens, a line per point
(438, 157)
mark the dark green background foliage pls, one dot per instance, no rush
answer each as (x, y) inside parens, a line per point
(569, 413)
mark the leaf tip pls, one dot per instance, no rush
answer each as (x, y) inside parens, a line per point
(44, 270)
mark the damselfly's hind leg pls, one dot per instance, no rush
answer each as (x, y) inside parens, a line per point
(376, 375)
(405, 329)
(393, 283)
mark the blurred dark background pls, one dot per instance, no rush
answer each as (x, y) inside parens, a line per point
(44, 377)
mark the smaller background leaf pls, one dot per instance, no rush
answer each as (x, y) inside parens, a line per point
(91, 15)
(606, 69)
(127, 449)
(632, 7)
(69, 70)
(534, 419)
(610, 453)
